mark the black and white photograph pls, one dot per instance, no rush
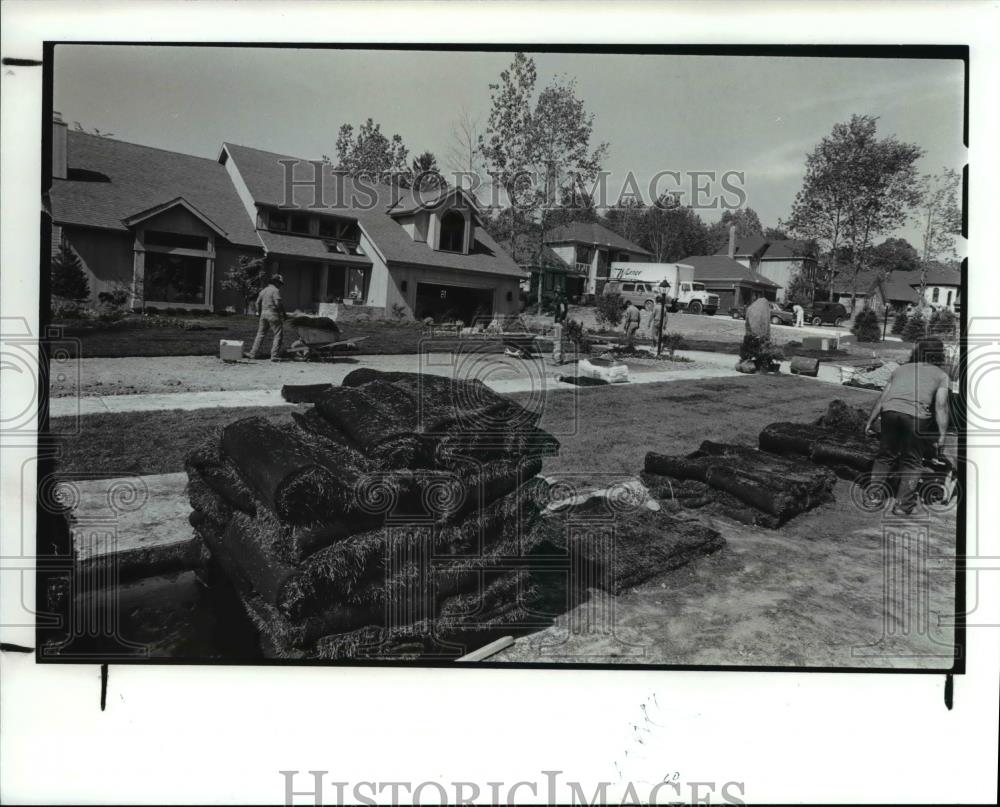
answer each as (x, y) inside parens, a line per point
(488, 372)
(389, 357)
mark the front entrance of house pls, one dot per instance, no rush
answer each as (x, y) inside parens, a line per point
(448, 303)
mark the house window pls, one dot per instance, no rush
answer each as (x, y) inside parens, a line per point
(300, 225)
(452, 232)
(175, 278)
(948, 303)
(277, 221)
(935, 294)
(332, 228)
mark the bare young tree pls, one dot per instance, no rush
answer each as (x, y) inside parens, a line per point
(940, 217)
(463, 155)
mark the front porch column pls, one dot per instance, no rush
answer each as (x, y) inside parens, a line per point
(324, 279)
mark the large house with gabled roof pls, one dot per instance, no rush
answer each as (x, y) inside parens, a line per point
(777, 259)
(585, 251)
(167, 226)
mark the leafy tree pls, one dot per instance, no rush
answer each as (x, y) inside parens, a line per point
(893, 255)
(547, 138)
(800, 290)
(915, 327)
(424, 172)
(628, 219)
(899, 324)
(776, 233)
(67, 279)
(673, 231)
(747, 225)
(370, 153)
(610, 309)
(506, 146)
(855, 187)
(246, 278)
(942, 323)
(866, 327)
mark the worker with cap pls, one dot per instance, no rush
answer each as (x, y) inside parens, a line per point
(272, 314)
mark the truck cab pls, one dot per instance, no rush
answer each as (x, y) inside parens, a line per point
(693, 298)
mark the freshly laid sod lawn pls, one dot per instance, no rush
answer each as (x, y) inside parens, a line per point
(602, 429)
(202, 337)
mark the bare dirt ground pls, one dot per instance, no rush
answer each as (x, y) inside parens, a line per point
(835, 587)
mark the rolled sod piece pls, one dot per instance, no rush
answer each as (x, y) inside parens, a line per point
(304, 393)
(298, 480)
(505, 445)
(447, 404)
(775, 485)
(637, 545)
(314, 425)
(503, 604)
(320, 323)
(365, 568)
(846, 452)
(288, 636)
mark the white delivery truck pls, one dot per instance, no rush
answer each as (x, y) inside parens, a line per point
(684, 293)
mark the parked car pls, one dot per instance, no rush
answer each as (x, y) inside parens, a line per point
(779, 316)
(827, 314)
(639, 292)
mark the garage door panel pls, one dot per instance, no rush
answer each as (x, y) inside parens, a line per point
(447, 302)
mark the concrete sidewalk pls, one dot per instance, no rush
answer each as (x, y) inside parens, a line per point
(102, 404)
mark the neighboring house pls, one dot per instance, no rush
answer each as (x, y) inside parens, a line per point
(736, 284)
(899, 293)
(779, 260)
(867, 289)
(902, 289)
(551, 274)
(167, 226)
(942, 289)
(589, 249)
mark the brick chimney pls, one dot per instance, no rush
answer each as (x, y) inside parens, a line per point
(60, 157)
(732, 240)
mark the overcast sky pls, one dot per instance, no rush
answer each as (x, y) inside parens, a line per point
(759, 115)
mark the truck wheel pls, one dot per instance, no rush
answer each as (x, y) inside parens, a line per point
(838, 322)
(695, 307)
(734, 314)
(775, 320)
(817, 321)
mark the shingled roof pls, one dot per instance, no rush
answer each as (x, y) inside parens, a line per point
(124, 179)
(592, 234)
(767, 249)
(724, 268)
(369, 203)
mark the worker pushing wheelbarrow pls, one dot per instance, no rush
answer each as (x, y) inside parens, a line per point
(319, 338)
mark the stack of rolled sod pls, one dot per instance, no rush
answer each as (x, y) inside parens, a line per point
(396, 513)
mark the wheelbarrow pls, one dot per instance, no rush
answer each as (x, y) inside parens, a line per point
(320, 338)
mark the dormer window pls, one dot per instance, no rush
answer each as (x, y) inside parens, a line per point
(300, 224)
(452, 232)
(277, 221)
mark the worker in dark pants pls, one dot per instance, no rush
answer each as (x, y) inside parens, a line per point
(914, 410)
(272, 315)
